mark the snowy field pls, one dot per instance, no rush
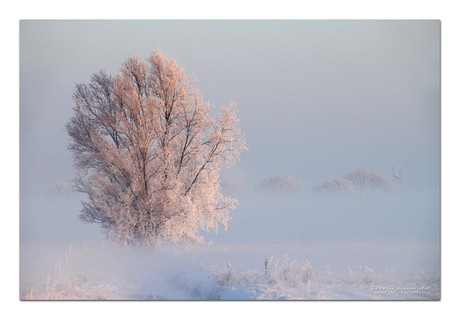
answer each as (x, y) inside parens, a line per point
(291, 247)
(293, 272)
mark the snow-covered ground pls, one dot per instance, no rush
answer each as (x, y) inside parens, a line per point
(217, 272)
(291, 247)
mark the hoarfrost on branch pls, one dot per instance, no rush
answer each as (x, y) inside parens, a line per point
(148, 153)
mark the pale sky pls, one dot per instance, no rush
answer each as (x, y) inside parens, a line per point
(315, 98)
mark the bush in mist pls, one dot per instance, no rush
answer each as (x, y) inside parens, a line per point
(338, 185)
(358, 181)
(279, 183)
(364, 179)
(149, 153)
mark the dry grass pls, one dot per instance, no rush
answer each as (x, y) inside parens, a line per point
(69, 279)
(281, 278)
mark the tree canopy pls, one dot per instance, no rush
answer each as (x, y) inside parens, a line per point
(148, 153)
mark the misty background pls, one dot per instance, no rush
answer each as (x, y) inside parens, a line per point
(316, 99)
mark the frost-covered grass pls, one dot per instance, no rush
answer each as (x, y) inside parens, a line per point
(282, 279)
(332, 272)
(72, 277)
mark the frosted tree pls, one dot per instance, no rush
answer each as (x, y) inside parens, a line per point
(148, 153)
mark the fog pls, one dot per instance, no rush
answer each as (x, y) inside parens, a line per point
(266, 219)
(316, 99)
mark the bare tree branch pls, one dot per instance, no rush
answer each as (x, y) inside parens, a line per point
(148, 153)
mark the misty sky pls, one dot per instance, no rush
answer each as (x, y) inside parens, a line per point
(315, 98)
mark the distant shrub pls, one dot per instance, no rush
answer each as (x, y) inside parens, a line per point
(362, 178)
(279, 183)
(358, 181)
(338, 185)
